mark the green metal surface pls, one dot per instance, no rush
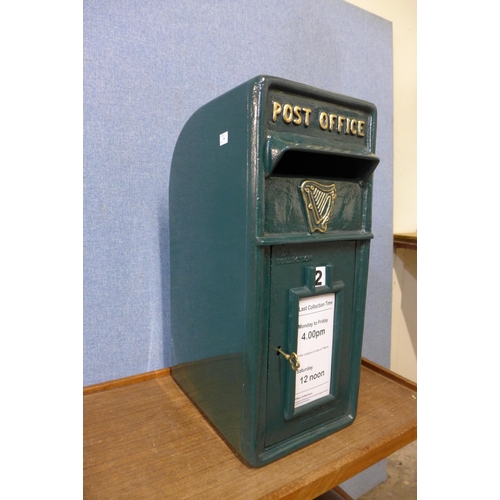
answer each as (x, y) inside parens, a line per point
(242, 254)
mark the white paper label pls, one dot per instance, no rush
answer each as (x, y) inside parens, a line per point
(314, 348)
(223, 138)
(320, 276)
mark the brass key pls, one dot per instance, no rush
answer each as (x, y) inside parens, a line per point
(293, 359)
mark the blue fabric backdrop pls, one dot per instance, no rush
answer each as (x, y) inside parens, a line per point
(148, 65)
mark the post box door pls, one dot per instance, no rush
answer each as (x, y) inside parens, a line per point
(311, 302)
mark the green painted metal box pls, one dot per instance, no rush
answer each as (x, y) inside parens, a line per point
(270, 226)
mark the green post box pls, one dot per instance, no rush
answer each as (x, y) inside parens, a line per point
(270, 227)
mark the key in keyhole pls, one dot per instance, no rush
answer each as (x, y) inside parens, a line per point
(292, 358)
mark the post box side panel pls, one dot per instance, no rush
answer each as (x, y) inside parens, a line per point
(359, 301)
(214, 385)
(208, 253)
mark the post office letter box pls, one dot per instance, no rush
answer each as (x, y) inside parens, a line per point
(270, 227)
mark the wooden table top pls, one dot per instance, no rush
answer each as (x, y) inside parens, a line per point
(148, 441)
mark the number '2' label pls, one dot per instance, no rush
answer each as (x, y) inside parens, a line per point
(320, 276)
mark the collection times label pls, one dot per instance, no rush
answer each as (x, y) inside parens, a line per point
(314, 348)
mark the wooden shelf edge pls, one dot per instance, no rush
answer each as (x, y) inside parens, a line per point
(405, 240)
(350, 466)
(142, 377)
(409, 384)
(121, 382)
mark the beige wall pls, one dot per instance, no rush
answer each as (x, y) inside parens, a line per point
(404, 314)
(403, 15)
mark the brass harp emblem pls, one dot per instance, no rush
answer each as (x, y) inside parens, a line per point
(318, 200)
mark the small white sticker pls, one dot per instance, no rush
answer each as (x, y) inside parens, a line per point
(320, 276)
(223, 138)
